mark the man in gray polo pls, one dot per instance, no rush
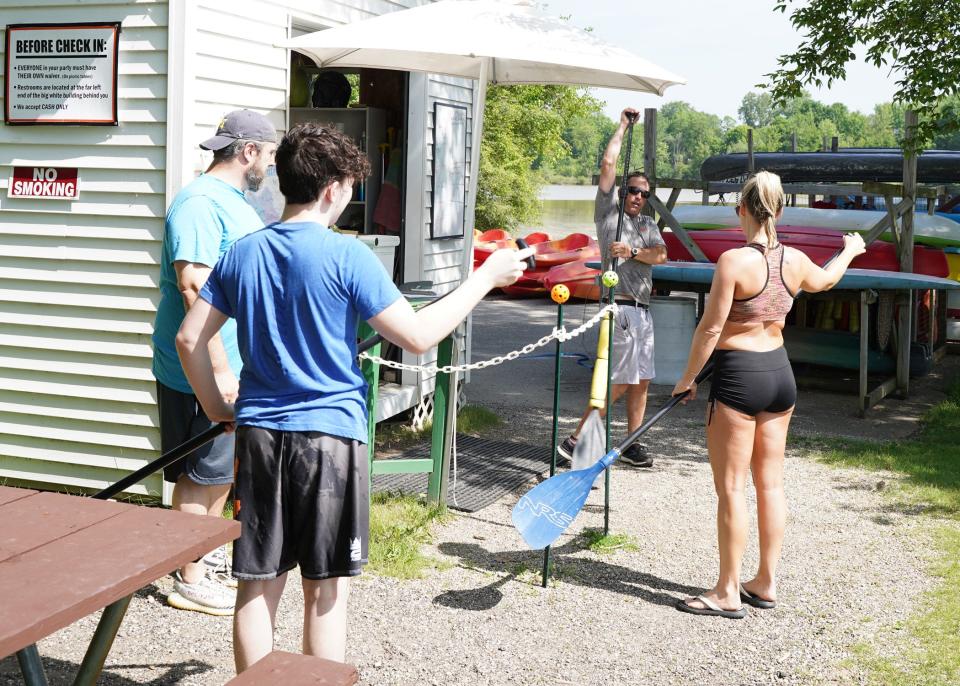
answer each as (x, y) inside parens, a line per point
(640, 246)
(203, 221)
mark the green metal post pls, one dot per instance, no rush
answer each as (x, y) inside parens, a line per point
(441, 393)
(606, 472)
(556, 429)
(100, 644)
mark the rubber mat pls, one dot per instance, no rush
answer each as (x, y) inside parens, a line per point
(486, 471)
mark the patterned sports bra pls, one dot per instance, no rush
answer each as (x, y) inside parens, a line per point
(774, 300)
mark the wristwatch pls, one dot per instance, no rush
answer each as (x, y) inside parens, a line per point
(634, 252)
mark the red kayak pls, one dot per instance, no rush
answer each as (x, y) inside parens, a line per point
(816, 243)
(577, 276)
(548, 252)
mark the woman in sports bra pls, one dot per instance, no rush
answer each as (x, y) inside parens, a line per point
(752, 392)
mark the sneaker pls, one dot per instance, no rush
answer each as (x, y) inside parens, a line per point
(565, 449)
(207, 596)
(218, 566)
(637, 456)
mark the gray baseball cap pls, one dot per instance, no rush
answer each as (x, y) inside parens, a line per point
(241, 124)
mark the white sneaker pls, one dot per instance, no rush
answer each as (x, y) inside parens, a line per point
(218, 566)
(209, 596)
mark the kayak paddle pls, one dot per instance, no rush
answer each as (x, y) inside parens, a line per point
(545, 512)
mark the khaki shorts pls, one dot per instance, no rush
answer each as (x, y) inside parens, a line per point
(632, 345)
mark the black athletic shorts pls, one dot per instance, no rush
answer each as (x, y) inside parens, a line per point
(753, 382)
(302, 498)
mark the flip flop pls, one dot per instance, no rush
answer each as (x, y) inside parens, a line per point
(755, 600)
(711, 609)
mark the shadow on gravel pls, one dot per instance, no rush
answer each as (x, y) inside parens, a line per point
(581, 571)
(61, 672)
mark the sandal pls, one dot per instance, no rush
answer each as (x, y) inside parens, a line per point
(711, 609)
(755, 600)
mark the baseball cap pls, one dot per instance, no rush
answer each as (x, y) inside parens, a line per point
(241, 124)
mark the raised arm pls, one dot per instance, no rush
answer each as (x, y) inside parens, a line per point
(815, 279)
(608, 165)
(417, 332)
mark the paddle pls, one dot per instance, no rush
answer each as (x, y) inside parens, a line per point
(167, 458)
(546, 511)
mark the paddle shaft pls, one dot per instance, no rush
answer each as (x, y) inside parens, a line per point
(670, 404)
(631, 118)
(164, 460)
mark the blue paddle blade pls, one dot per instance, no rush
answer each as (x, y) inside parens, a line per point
(545, 511)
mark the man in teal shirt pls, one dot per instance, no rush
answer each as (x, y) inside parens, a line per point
(203, 221)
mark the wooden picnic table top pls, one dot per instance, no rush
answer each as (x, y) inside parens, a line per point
(63, 557)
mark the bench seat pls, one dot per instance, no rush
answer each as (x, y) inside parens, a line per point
(290, 669)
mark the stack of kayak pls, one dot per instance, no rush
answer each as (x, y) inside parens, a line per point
(549, 254)
(817, 233)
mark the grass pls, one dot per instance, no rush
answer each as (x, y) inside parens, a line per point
(924, 650)
(400, 525)
(471, 419)
(606, 544)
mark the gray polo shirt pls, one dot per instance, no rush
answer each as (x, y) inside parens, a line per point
(636, 278)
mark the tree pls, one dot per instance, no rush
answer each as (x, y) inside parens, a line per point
(757, 110)
(915, 39)
(522, 124)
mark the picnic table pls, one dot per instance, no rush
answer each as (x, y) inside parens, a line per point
(63, 557)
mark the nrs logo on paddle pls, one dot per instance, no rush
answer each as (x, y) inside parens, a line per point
(51, 183)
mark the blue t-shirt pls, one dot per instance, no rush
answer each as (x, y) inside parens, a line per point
(204, 219)
(297, 291)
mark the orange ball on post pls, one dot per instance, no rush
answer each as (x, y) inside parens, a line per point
(560, 293)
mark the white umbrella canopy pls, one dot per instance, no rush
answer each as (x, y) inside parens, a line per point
(506, 42)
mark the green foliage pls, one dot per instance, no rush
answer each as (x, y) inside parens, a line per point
(915, 39)
(399, 526)
(523, 125)
(605, 544)
(472, 420)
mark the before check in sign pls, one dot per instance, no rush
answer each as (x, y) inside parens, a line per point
(50, 183)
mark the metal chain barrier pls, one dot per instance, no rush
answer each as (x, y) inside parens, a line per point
(560, 334)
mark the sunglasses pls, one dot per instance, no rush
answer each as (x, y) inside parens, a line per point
(636, 190)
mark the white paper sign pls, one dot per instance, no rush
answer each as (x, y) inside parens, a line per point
(61, 74)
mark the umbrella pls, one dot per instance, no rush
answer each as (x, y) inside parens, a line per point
(496, 41)
(493, 41)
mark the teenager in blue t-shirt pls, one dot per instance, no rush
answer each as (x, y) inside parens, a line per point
(297, 291)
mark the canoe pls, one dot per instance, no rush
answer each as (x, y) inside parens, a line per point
(818, 244)
(856, 165)
(841, 350)
(933, 230)
(853, 279)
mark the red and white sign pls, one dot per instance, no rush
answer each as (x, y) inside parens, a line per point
(52, 183)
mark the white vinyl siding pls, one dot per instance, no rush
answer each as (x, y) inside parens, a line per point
(78, 279)
(442, 259)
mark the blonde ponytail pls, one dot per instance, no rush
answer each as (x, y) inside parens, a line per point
(763, 198)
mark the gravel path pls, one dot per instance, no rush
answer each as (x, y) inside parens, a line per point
(483, 618)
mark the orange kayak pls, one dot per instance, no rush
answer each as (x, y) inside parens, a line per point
(548, 252)
(577, 276)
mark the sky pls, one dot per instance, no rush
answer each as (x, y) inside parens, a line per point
(722, 47)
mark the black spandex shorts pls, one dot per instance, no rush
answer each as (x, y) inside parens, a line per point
(753, 382)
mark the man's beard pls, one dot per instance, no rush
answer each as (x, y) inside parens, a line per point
(253, 180)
